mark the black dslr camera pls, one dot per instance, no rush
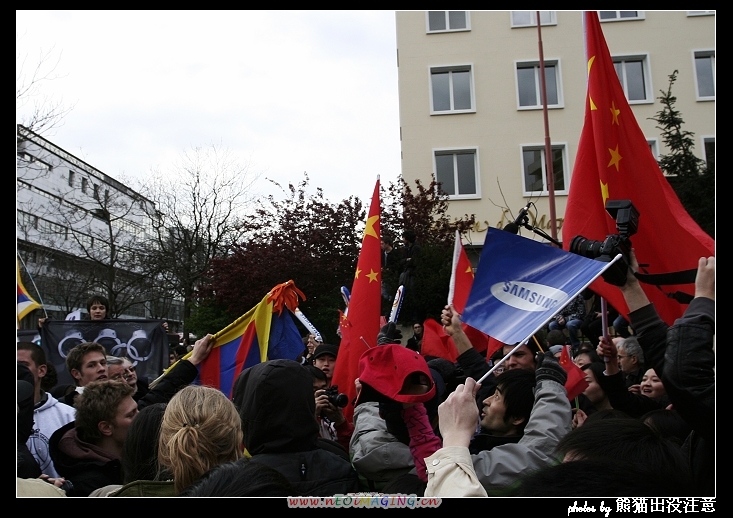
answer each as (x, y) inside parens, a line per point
(336, 399)
(627, 223)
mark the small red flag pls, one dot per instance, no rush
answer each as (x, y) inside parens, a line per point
(575, 383)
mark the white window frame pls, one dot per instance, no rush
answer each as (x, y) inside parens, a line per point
(450, 69)
(644, 58)
(533, 19)
(639, 16)
(447, 23)
(701, 13)
(563, 146)
(703, 140)
(703, 53)
(538, 87)
(455, 151)
(654, 147)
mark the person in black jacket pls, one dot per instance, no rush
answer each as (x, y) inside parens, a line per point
(684, 357)
(278, 411)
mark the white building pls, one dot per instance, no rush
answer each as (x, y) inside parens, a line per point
(471, 113)
(71, 220)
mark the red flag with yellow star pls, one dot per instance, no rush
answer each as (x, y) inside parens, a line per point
(575, 383)
(461, 281)
(361, 322)
(461, 278)
(614, 162)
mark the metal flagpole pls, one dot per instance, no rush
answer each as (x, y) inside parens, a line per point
(548, 142)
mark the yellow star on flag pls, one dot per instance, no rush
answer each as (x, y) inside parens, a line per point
(604, 192)
(369, 230)
(614, 113)
(615, 157)
(372, 276)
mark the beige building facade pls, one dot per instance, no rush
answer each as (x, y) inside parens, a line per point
(471, 110)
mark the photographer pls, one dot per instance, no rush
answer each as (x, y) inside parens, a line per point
(332, 423)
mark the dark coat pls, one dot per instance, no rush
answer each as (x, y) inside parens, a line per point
(683, 358)
(275, 401)
(81, 463)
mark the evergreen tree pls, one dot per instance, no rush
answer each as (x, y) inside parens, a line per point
(691, 178)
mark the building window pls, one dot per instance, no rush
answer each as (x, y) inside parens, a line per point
(534, 169)
(451, 89)
(609, 16)
(96, 191)
(653, 147)
(84, 185)
(529, 18)
(708, 144)
(456, 170)
(700, 13)
(705, 74)
(529, 87)
(71, 178)
(37, 163)
(445, 21)
(633, 73)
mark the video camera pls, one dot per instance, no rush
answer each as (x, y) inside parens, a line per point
(627, 223)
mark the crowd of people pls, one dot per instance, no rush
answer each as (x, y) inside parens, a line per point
(644, 426)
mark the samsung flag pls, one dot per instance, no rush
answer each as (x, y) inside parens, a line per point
(520, 284)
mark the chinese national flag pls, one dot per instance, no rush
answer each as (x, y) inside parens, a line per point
(461, 278)
(461, 281)
(360, 326)
(614, 162)
(575, 383)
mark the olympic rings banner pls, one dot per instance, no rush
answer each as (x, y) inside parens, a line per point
(143, 341)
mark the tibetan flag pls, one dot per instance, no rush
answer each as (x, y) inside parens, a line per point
(614, 163)
(575, 383)
(521, 284)
(265, 332)
(26, 304)
(364, 310)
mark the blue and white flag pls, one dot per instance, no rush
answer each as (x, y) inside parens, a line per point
(520, 284)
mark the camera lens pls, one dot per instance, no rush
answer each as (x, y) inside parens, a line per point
(586, 247)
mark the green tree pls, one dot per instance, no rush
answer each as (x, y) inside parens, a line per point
(692, 180)
(424, 209)
(303, 238)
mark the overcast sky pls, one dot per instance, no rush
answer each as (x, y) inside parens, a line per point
(286, 91)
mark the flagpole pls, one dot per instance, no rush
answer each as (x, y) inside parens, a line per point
(43, 306)
(548, 142)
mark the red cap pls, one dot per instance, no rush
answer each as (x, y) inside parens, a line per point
(386, 367)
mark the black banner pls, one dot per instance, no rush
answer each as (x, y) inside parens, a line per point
(143, 341)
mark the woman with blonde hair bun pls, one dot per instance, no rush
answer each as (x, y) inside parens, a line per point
(201, 429)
